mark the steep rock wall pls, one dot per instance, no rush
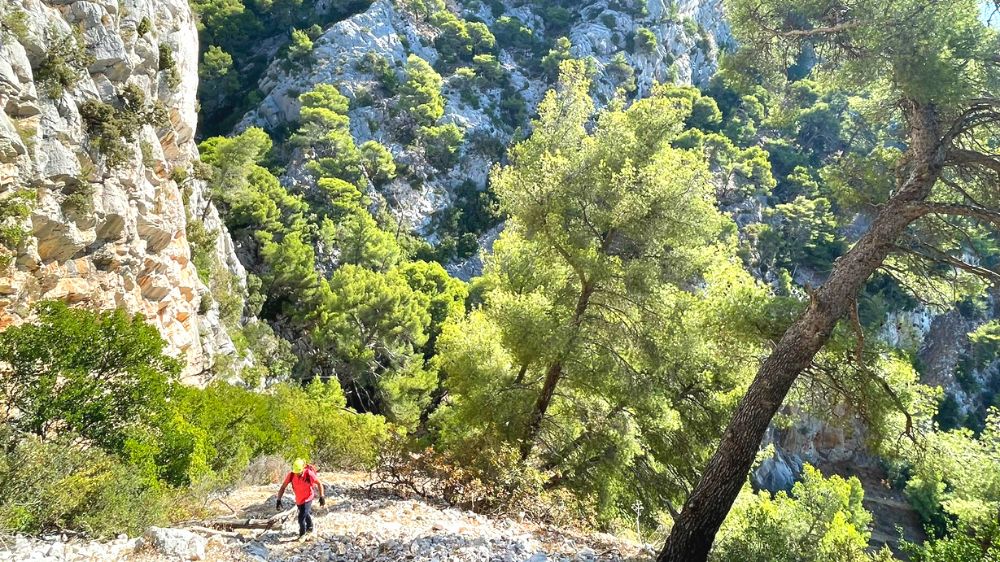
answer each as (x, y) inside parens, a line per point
(389, 30)
(106, 232)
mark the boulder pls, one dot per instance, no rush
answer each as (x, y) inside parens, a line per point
(175, 543)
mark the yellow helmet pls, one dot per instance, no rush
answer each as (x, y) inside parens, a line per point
(298, 466)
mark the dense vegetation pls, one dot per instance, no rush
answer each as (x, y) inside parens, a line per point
(653, 253)
(113, 443)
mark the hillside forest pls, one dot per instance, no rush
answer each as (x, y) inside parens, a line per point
(641, 285)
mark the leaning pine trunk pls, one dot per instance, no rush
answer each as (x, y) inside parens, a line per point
(708, 505)
(553, 374)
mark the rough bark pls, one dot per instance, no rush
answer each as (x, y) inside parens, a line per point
(705, 509)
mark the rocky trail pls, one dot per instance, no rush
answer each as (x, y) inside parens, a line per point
(355, 525)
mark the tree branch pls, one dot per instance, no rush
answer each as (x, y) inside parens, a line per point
(829, 30)
(961, 157)
(984, 214)
(944, 258)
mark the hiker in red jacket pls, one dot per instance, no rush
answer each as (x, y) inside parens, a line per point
(303, 479)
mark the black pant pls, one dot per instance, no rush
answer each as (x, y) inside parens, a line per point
(305, 518)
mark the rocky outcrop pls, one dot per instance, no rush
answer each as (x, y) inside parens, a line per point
(105, 230)
(688, 39)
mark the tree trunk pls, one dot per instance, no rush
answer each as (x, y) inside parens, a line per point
(552, 376)
(706, 508)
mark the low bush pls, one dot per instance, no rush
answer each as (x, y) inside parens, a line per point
(62, 484)
(101, 439)
(64, 64)
(441, 144)
(113, 128)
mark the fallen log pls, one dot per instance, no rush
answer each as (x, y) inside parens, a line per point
(216, 533)
(234, 523)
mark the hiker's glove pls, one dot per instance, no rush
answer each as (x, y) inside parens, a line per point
(277, 505)
(322, 501)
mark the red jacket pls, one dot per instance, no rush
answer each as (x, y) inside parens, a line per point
(302, 484)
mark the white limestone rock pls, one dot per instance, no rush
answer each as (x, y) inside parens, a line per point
(109, 236)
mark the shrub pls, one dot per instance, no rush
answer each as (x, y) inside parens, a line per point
(441, 144)
(211, 435)
(301, 46)
(15, 22)
(622, 73)
(488, 67)
(453, 41)
(378, 162)
(491, 480)
(113, 128)
(381, 69)
(822, 520)
(645, 40)
(65, 61)
(560, 52)
(94, 374)
(420, 94)
(13, 211)
(167, 61)
(512, 33)
(961, 544)
(81, 200)
(144, 26)
(52, 485)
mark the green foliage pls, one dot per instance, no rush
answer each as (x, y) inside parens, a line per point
(559, 52)
(325, 128)
(705, 114)
(377, 323)
(381, 68)
(932, 60)
(622, 73)
(92, 444)
(557, 18)
(588, 281)
(300, 49)
(16, 206)
(166, 59)
(459, 227)
(962, 544)
(424, 8)
(144, 26)
(420, 94)
(378, 163)
(95, 375)
(216, 69)
(822, 520)
(645, 40)
(237, 27)
(488, 67)
(112, 128)
(58, 484)
(512, 33)
(941, 485)
(65, 61)
(14, 22)
(803, 231)
(212, 434)
(453, 42)
(441, 144)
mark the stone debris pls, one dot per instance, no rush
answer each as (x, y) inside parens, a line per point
(174, 543)
(352, 527)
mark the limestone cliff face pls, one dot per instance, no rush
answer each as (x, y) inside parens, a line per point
(104, 230)
(689, 34)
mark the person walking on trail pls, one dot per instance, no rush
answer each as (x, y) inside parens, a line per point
(303, 479)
